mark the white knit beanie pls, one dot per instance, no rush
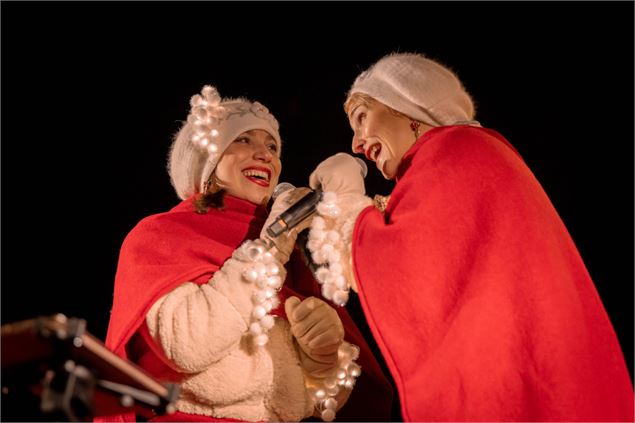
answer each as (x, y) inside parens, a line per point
(213, 123)
(418, 87)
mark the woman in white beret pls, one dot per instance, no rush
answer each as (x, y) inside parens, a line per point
(473, 289)
(200, 292)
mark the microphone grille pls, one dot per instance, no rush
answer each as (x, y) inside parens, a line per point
(280, 188)
(362, 164)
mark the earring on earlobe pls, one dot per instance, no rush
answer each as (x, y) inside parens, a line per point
(211, 186)
(414, 125)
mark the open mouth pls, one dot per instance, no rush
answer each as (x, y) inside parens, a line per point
(372, 152)
(259, 176)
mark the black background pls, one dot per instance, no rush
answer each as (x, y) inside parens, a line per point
(93, 92)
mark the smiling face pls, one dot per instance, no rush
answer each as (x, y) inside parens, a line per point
(250, 166)
(380, 133)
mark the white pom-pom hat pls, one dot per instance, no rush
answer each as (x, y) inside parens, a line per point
(418, 87)
(213, 123)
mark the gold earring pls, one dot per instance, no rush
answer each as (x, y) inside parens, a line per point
(414, 125)
(211, 185)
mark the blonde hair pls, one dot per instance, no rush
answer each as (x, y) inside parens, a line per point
(358, 98)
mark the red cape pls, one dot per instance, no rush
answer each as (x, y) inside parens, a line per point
(166, 250)
(477, 296)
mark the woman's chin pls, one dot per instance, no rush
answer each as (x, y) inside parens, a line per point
(388, 177)
(260, 199)
(386, 170)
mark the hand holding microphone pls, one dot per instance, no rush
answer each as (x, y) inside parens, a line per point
(283, 238)
(341, 173)
(293, 207)
(351, 168)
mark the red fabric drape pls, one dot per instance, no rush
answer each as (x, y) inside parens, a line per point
(477, 296)
(166, 250)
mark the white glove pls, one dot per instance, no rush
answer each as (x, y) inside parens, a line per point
(340, 173)
(282, 245)
(318, 331)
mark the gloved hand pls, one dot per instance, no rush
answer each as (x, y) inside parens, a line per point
(318, 331)
(282, 245)
(340, 173)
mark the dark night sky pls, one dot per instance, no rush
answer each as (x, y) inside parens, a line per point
(92, 93)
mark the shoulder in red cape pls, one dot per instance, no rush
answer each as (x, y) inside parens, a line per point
(477, 296)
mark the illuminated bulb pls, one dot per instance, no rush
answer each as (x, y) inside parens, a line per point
(212, 148)
(196, 100)
(261, 283)
(336, 268)
(318, 223)
(272, 269)
(354, 370)
(201, 128)
(251, 275)
(328, 415)
(340, 282)
(258, 296)
(330, 382)
(255, 328)
(261, 268)
(340, 297)
(259, 312)
(328, 290)
(330, 403)
(333, 391)
(275, 282)
(268, 306)
(261, 339)
(321, 274)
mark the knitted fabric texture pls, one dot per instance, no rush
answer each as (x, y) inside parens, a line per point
(213, 123)
(418, 87)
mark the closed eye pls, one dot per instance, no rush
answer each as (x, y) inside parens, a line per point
(357, 116)
(360, 118)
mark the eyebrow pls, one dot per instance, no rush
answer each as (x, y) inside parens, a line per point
(350, 116)
(269, 136)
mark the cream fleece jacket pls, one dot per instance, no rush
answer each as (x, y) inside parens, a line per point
(203, 331)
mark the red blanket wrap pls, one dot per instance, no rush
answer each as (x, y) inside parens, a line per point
(477, 296)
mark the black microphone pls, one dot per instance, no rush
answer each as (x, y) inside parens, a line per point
(304, 208)
(295, 214)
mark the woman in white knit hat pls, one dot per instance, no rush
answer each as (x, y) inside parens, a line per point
(199, 289)
(472, 287)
